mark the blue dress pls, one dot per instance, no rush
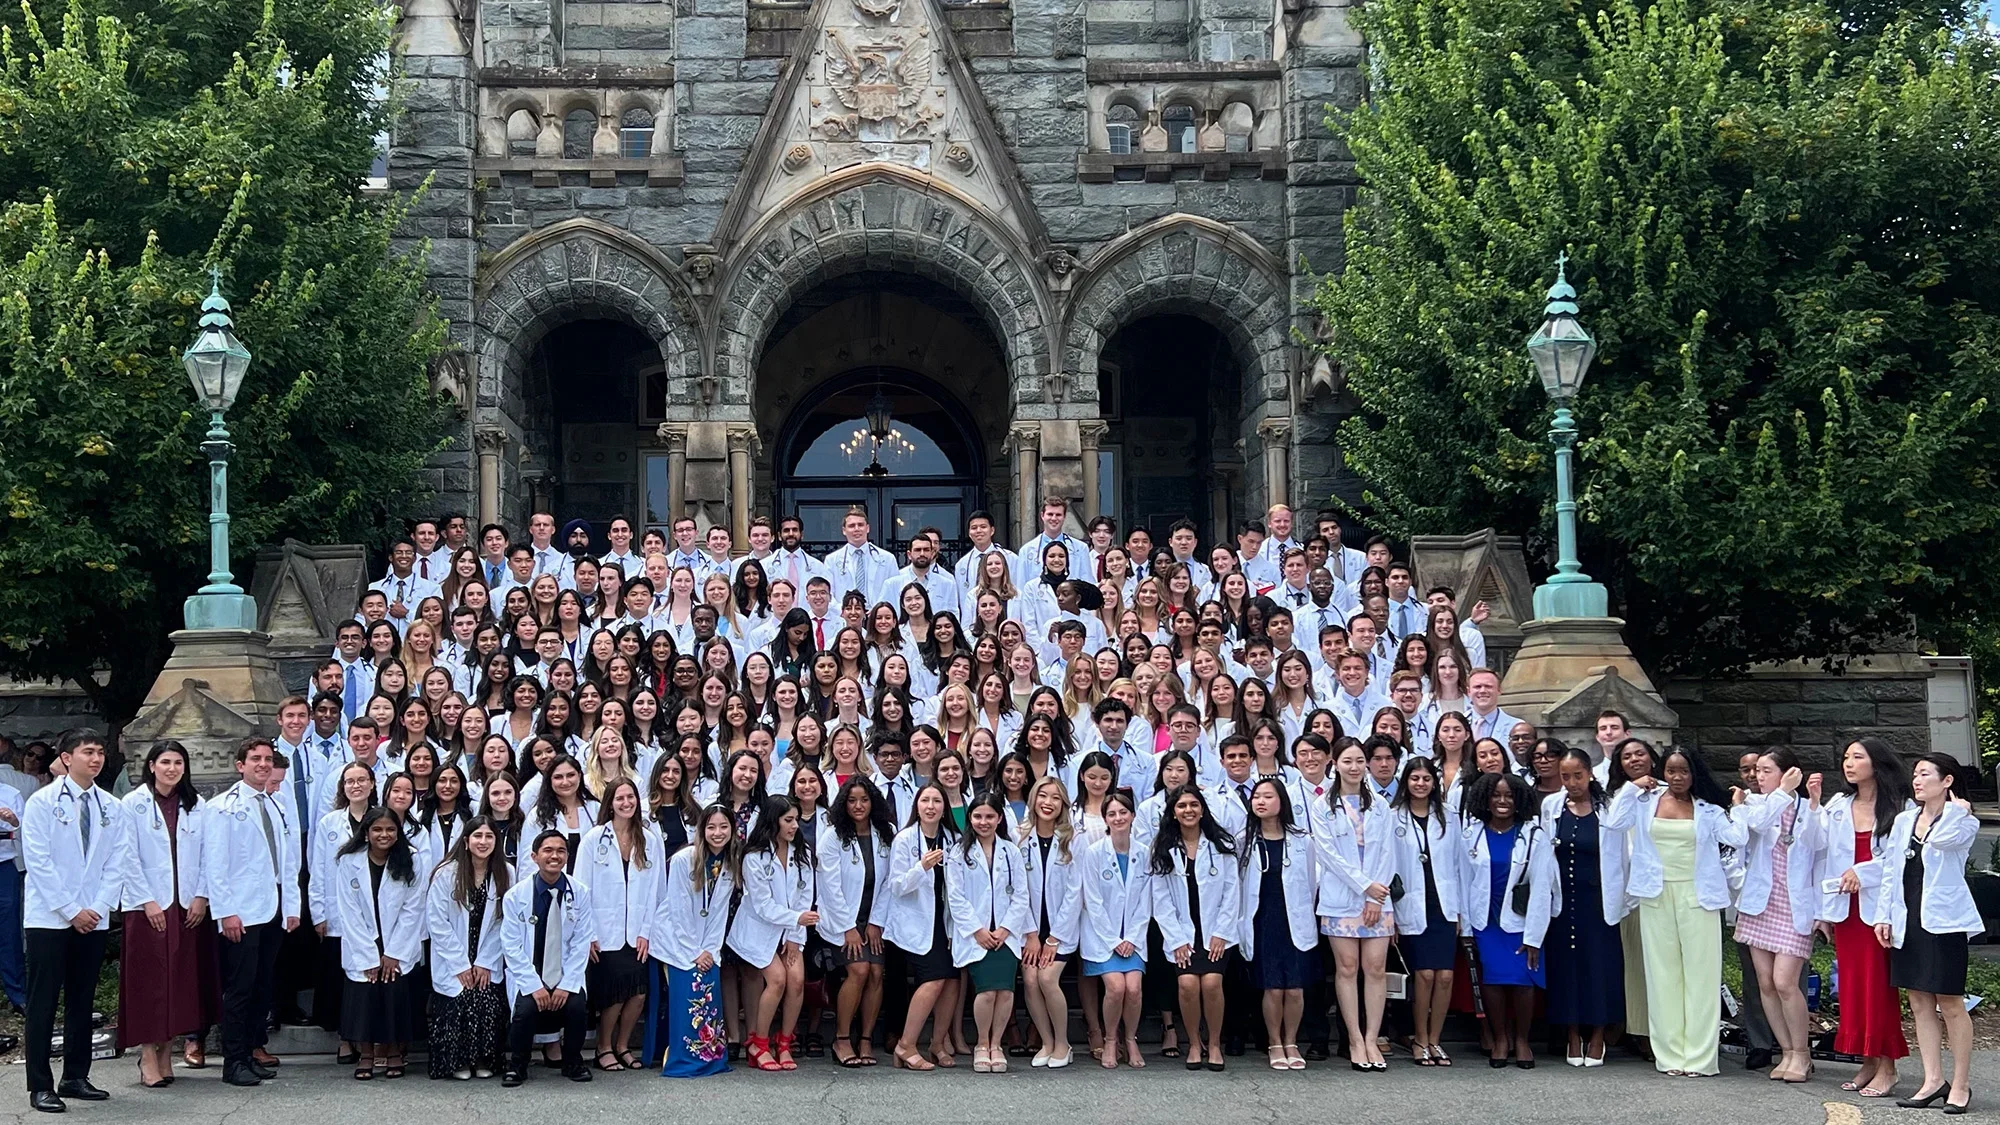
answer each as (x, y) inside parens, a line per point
(1279, 963)
(1135, 962)
(1585, 959)
(689, 1021)
(1500, 959)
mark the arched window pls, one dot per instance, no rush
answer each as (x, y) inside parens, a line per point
(1238, 122)
(844, 449)
(522, 129)
(1121, 123)
(1178, 121)
(579, 126)
(635, 134)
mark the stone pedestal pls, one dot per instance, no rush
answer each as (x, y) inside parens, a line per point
(1570, 668)
(219, 687)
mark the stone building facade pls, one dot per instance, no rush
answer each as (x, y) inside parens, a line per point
(685, 246)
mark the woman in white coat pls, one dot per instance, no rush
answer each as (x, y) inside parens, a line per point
(621, 864)
(1117, 914)
(769, 931)
(1852, 828)
(986, 886)
(1678, 825)
(1510, 876)
(1585, 956)
(167, 975)
(1427, 914)
(1776, 908)
(853, 851)
(1927, 917)
(1054, 854)
(468, 974)
(1280, 939)
(1197, 884)
(918, 926)
(353, 796)
(1355, 857)
(692, 921)
(380, 902)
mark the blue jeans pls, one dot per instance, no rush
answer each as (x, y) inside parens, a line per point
(13, 960)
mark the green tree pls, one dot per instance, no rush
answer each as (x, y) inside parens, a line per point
(140, 143)
(1784, 225)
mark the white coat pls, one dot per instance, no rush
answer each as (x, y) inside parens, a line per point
(1220, 880)
(688, 923)
(985, 893)
(1299, 879)
(1947, 903)
(842, 874)
(1055, 892)
(775, 893)
(623, 896)
(62, 881)
(1632, 811)
(450, 927)
(328, 836)
(394, 915)
(153, 872)
(1438, 831)
(1762, 816)
(1610, 860)
(1346, 866)
(1116, 908)
(517, 937)
(1836, 857)
(912, 890)
(241, 880)
(1533, 861)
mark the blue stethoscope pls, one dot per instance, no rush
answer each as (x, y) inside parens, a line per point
(68, 816)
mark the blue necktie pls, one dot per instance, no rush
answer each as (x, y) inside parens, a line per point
(351, 701)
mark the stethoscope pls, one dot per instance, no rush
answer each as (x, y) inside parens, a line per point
(1798, 808)
(709, 884)
(1263, 864)
(69, 795)
(972, 863)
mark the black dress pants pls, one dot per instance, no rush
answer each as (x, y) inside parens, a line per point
(61, 962)
(249, 985)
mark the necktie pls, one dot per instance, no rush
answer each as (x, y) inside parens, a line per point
(792, 572)
(1100, 568)
(1243, 794)
(352, 682)
(492, 574)
(424, 568)
(1298, 597)
(819, 632)
(86, 816)
(270, 834)
(399, 589)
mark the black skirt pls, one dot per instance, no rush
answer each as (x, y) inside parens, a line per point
(468, 1030)
(377, 1013)
(615, 977)
(1925, 962)
(934, 964)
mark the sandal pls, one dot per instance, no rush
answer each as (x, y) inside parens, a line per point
(979, 1063)
(1293, 1061)
(395, 1068)
(850, 1060)
(1133, 1058)
(630, 1060)
(1421, 1055)
(757, 1050)
(814, 1045)
(364, 1073)
(911, 1060)
(1438, 1057)
(613, 1056)
(865, 1051)
(1278, 1059)
(944, 1058)
(784, 1056)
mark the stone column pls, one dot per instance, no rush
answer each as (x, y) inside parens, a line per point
(1024, 442)
(674, 436)
(1277, 435)
(490, 441)
(1090, 432)
(743, 445)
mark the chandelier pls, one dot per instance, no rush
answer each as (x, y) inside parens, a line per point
(879, 436)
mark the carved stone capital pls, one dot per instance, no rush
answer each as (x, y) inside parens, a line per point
(1275, 430)
(489, 439)
(674, 436)
(1024, 436)
(744, 439)
(1090, 432)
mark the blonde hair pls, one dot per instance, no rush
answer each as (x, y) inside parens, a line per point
(1064, 830)
(594, 777)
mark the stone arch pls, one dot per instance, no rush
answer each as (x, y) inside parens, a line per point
(573, 269)
(1193, 265)
(884, 218)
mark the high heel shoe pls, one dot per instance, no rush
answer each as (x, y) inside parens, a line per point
(1956, 1109)
(1801, 1078)
(1922, 1100)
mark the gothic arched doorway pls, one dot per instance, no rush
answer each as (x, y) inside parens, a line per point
(924, 471)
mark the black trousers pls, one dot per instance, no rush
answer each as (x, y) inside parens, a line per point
(249, 985)
(298, 965)
(61, 962)
(571, 1019)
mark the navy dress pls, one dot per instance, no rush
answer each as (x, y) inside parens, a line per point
(1279, 963)
(1500, 958)
(1436, 948)
(1586, 961)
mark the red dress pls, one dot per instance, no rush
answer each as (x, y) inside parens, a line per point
(1871, 1015)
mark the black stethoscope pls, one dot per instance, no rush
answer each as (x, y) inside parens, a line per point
(709, 884)
(1264, 865)
(999, 846)
(1791, 834)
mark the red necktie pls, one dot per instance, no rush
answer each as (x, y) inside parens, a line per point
(819, 632)
(1100, 567)
(424, 568)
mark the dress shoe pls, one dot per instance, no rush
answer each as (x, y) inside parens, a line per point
(577, 1073)
(265, 1058)
(263, 1072)
(512, 1078)
(81, 1090)
(1759, 1059)
(46, 1101)
(241, 1075)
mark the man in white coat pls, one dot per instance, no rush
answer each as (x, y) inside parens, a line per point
(1028, 560)
(75, 837)
(546, 929)
(857, 564)
(251, 852)
(1488, 720)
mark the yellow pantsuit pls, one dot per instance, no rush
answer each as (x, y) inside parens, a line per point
(1683, 953)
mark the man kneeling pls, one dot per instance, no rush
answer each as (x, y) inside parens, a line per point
(545, 932)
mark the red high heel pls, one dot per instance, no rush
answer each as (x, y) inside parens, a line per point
(758, 1050)
(784, 1044)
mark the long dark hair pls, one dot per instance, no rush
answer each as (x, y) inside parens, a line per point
(1892, 786)
(605, 816)
(1169, 837)
(429, 800)
(987, 800)
(1705, 787)
(879, 823)
(460, 861)
(184, 790)
(1418, 764)
(764, 837)
(547, 805)
(400, 862)
(1617, 770)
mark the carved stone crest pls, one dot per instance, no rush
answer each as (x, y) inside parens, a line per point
(880, 74)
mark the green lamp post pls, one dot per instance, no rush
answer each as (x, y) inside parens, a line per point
(215, 364)
(1562, 351)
